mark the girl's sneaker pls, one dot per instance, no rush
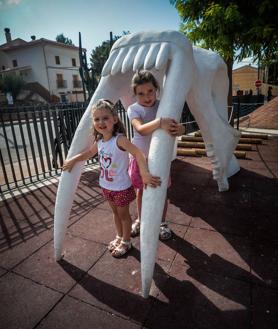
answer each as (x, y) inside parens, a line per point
(135, 228)
(121, 249)
(165, 233)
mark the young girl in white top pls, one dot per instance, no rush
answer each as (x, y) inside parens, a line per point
(142, 116)
(112, 146)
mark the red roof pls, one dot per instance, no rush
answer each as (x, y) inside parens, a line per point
(265, 117)
(19, 43)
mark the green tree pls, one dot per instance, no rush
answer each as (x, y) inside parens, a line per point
(100, 54)
(235, 29)
(61, 38)
(98, 57)
(12, 84)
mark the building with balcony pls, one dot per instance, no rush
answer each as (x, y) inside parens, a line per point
(49, 68)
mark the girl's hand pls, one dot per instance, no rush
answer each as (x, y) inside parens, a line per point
(152, 181)
(68, 165)
(169, 125)
(177, 130)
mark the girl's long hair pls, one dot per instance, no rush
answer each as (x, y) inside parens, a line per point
(118, 128)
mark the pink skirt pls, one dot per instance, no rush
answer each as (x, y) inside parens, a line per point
(134, 173)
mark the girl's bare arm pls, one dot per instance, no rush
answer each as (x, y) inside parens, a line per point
(83, 156)
(168, 124)
(147, 178)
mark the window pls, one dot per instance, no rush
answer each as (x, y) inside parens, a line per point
(61, 83)
(14, 63)
(75, 81)
(57, 60)
(73, 60)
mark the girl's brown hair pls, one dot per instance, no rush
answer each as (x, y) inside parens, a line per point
(141, 77)
(108, 105)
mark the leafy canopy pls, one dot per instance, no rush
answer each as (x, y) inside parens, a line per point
(100, 54)
(236, 29)
(61, 38)
(11, 83)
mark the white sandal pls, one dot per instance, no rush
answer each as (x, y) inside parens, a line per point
(121, 249)
(165, 233)
(114, 243)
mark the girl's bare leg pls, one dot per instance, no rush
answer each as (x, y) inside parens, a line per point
(125, 219)
(139, 194)
(117, 219)
(164, 210)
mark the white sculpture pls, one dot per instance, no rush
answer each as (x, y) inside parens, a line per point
(184, 73)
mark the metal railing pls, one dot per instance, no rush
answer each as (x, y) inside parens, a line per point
(243, 109)
(35, 141)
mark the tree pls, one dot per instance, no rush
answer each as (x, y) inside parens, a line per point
(61, 38)
(98, 57)
(12, 84)
(235, 29)
(100, 54)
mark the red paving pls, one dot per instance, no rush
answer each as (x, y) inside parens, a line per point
(219, 271)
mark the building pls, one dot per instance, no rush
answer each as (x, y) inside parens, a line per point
(49, 68)
(244, 79)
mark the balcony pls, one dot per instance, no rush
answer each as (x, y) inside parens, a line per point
(61, 83)
(76, 83)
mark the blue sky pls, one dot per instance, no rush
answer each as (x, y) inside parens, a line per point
(93, 18)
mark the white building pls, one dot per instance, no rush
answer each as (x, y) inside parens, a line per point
(49, 68)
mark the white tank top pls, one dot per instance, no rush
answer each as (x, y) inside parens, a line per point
(113, 165)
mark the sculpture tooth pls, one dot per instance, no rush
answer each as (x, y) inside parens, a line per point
(218, 166)
(129, 59)
(106, 70)
(151, 56)
(117, 65)
(140, 57)
(210, 154)
(223, 184)
(215, 162)
(162, 56)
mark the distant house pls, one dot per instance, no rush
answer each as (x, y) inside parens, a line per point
(49, 68)
(244, 79)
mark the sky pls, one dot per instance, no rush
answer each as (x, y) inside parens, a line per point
(95, 19)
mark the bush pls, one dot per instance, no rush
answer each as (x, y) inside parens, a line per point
(12, 84)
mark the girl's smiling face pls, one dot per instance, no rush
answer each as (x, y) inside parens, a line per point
(146, 94)
(104, 121)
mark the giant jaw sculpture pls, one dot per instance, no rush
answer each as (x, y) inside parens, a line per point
(184, 73)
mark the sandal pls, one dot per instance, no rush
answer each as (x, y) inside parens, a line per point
(121, 249)
(165, 233)
(114, 244)
(135, 228)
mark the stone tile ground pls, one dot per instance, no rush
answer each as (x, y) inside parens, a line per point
(219, 270)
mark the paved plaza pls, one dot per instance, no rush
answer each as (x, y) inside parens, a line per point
(220, 270)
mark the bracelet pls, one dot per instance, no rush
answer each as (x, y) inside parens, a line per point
(160, 122)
